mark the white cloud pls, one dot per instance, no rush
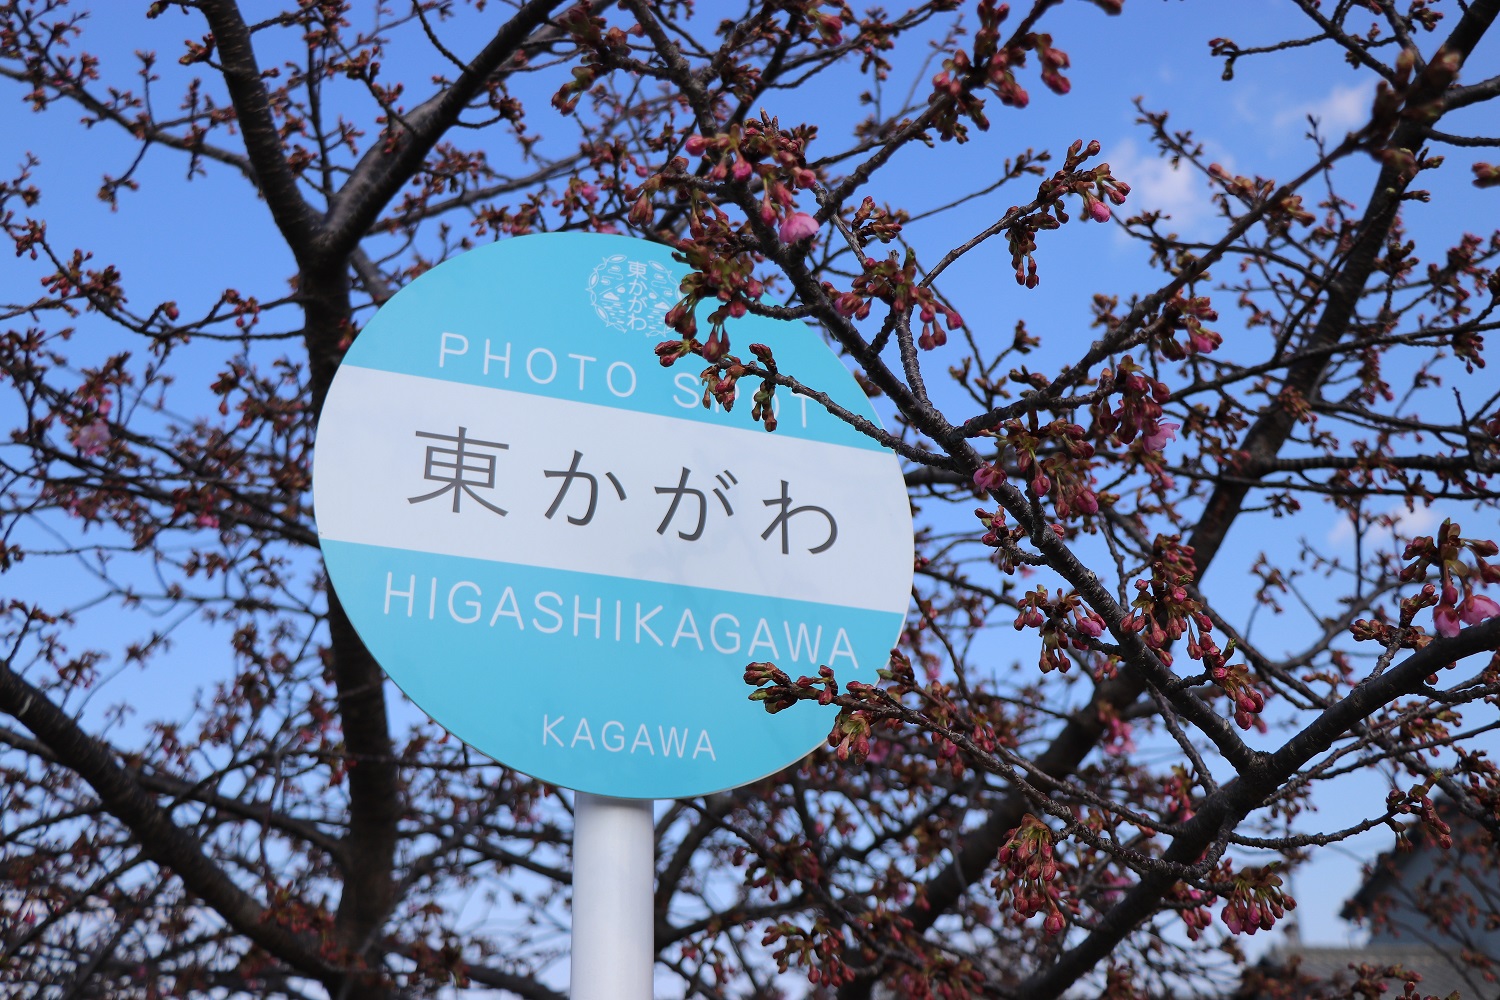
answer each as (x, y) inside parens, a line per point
(1407, 524)
(1156, 185)
(1341, 110)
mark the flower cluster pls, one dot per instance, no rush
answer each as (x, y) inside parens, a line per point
(1248, 699)
(1065, 623)
(1191, 905)
(851, 735)
(759, 152)
(1029, 871)
(728, 278)
(1256, 901)
(1138, 415)
(1097, 186)
(777, 689)
(991, 66)
(871, 221)
(1119, 735)
(1446, 553)
(1055, 459)
(1187, 315)
(1417, 802)
(600, 45)
(91, 434)
(1163, 612)
(757, 165)
(1178, 792)
(818, 949)
(897, 285)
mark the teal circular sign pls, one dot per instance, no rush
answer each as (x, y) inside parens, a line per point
(559, 554)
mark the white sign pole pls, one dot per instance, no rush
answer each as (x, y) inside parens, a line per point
(614, 874)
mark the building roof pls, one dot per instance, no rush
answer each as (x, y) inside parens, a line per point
(1440, 977)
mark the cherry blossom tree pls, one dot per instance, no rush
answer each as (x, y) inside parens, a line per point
(1085, 765)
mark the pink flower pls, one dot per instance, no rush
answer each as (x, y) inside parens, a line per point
(988, 477)
(1119, 740)
(1156, 439)
(1477, 608)
(1091, 625)
(1098, 211)
(1232, 920)
(92, 438)
(1445, 619)
(695, 145)
(797, 227)
(1204, 341)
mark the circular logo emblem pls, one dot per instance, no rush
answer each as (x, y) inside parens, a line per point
(634, 293)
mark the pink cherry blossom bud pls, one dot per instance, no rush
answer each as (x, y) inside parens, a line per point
(1054, 923)
(797, 227)
(1041, 483)
(1086, 502)
(641, 213)
(1091, 625)
(741, 169)
(207, 521)
(716, 347)
(1445, 620)
(695, 145)
(1477, 608)
(1098, 210)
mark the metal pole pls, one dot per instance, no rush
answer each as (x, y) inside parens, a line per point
(614, 868)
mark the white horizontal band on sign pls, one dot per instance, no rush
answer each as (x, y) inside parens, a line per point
(519, 478)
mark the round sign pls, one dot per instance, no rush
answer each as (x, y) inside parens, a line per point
(560, 555)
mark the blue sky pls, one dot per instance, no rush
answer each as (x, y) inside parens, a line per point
(187, 241)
